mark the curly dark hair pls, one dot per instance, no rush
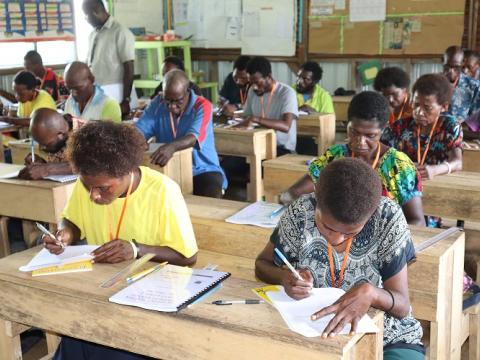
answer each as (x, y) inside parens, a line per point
(259, 64)
(434, 84)
(316, 70)
(349, 190)
(241, 62)
(106, 148)
(369, 106)
(391, 76)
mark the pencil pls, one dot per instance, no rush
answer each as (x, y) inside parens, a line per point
(32, 148)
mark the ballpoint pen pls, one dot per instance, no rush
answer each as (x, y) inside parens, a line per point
(286, 262)
(231, 302)
(276, 212)
(44, 230)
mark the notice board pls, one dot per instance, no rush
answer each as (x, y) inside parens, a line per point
(409, 27)
(36, 20)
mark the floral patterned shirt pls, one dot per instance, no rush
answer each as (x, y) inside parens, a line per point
(402, 135)
(400, 179)
(466, 98)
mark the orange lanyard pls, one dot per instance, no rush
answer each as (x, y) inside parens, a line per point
(269, 101)
(122, 213)
(377, 157)
(420, 158)
(243, 96)
(344, 263)
(174, 124)
(403, 108)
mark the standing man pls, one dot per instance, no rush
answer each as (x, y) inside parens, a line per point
(311, 96)
(180, 119)
(87, 100)
(466, 95)
(271, 104)
(111, 54)
(49, 82)
(233, 93)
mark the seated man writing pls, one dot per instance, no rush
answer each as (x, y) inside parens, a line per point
(180, 120)
(311, 97)
(271, 104)
(88, 101)
(233, 93)
(347, 235)
(128, 209)
(51, 131)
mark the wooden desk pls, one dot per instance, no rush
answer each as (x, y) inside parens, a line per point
(179, 168)
(435, 279)
(21, 148)
(74, 305)
(283, 172)
(471, 160)
(39, 200)
(454, 196)
(319, 126)
(254, 145)
(340, 106)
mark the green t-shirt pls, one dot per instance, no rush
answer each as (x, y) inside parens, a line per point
(320, 100)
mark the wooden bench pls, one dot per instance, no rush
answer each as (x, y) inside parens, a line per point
(60, 303)
(319, 126)
(340, 106)
(435, 278)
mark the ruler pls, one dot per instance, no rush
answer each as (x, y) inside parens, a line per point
(122, 274)
(434, 239)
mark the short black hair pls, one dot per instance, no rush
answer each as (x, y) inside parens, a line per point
(453, 50)
(241, 62)
(369, 106)
(175, 60)
(471, 53)
(105, 148)
(391, 76)
(316, 70)
(259, 64)
(26, 78)
(349, 190)
(434, 84)
(34, 57)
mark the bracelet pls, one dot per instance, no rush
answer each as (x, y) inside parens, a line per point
(134, 248)
(393, 300)
(449, 167)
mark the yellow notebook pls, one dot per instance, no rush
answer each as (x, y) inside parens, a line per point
(62, 269)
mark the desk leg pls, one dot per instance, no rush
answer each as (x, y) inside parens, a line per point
(474, 337)
(52, 341)
(255, 187)
(10, 348)
(4, 240)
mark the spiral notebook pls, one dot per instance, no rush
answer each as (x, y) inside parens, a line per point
(169, 289)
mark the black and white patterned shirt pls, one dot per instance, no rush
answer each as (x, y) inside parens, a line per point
(378, 252)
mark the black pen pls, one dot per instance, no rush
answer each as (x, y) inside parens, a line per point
(231, 302)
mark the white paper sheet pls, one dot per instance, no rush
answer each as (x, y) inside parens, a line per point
(70, 255)
(10, 171)
(4, 125)
(296, 313)
(168, 288)
(62, 178)
(368, 10)
(258, 214)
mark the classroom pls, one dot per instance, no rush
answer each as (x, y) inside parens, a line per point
(239, 179)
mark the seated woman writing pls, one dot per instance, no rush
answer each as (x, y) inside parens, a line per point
(368, 115)
(347, 235)
(129, 210)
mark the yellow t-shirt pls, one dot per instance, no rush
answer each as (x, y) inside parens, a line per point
(42, 100)
(156, 214)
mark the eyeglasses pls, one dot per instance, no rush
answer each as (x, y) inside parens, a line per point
(177, 102)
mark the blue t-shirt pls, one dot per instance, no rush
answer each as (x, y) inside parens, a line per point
(196, 120)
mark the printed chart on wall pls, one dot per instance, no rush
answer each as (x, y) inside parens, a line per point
(36, 20)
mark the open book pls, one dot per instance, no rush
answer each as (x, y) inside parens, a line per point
(169, 289)
(10, 171)
(71, 254)
(296, 313)
(61, 178)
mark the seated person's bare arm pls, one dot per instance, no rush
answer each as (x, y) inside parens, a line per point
(165, 152)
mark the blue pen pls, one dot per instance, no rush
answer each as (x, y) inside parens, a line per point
(286, 262)
(276, 212)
